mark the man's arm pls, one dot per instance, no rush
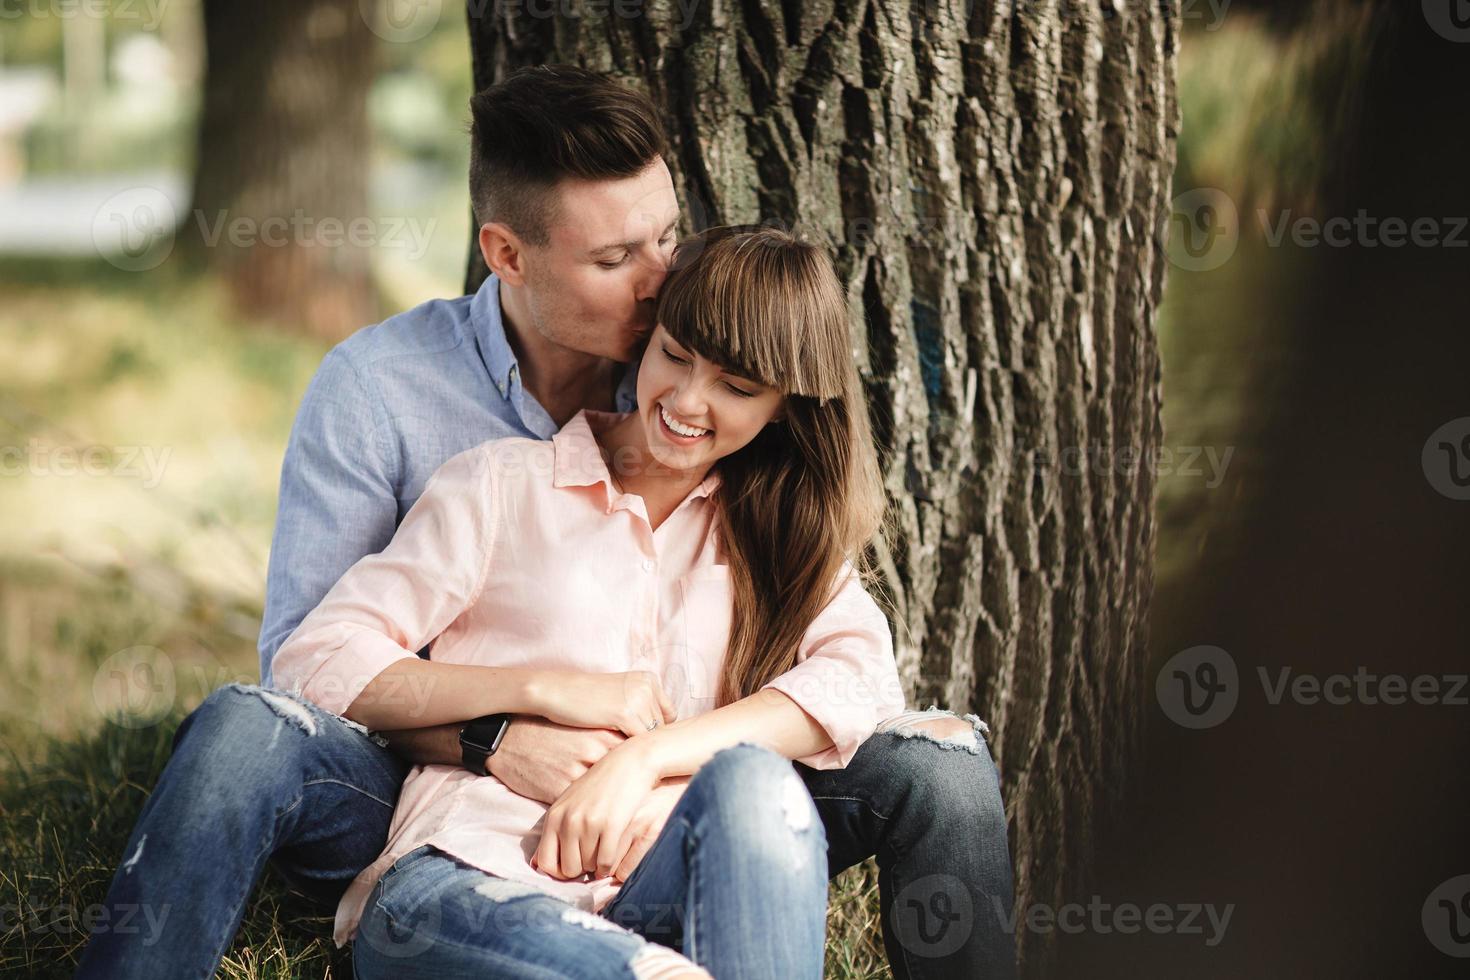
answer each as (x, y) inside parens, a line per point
(538, 759)
(338, 503)
(338, 498)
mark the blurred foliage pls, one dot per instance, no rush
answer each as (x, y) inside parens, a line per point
(1267, 105)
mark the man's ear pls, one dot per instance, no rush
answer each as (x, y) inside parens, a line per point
(503, 252)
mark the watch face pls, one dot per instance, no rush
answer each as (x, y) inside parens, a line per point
(482, 736)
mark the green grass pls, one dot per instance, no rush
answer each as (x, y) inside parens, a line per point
(102, 576)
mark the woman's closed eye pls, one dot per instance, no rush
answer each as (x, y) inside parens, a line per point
(684, 362)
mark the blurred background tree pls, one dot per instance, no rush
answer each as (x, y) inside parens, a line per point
(284, 145)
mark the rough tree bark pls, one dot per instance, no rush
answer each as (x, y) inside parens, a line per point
(994, 181)
(282, 161)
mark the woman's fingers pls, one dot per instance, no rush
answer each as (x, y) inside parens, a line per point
(571, 855)
(633, 855)
(545, 857)
(611, 849)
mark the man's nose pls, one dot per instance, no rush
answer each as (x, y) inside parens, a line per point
(653, 273)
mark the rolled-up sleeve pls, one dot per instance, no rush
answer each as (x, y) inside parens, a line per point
(845, 676)
(388, 605)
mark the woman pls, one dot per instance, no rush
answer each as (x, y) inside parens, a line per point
(683, 574)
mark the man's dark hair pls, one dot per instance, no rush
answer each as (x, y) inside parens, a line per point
(546, 123)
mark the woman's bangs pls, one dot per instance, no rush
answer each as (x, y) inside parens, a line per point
(753, 308)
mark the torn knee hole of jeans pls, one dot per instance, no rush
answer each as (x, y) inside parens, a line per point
(297, 710)
(929, 725)
(797, 809)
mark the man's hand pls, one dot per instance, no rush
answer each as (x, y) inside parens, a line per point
(539, 759)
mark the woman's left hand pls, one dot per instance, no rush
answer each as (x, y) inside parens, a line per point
(587, 828)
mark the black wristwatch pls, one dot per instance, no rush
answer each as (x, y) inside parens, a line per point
(479, 739)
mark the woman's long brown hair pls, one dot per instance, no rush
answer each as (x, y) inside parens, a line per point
(805, 496)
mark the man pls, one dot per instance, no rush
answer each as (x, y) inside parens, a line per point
(577, 214)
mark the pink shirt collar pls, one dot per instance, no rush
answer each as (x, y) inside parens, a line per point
(577, 459)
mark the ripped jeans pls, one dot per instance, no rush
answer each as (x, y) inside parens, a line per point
(737, 881)
(258, 777)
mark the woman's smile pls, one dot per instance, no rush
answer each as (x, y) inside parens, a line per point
(677, 432)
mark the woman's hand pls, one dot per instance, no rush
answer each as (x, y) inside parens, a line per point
(649, 822)
(590, 827)
(629, 702)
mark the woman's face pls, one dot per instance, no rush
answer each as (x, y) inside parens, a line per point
(715, 412)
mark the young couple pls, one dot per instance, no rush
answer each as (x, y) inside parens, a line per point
(604, 695)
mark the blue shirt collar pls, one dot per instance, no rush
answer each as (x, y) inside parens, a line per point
(489, 330)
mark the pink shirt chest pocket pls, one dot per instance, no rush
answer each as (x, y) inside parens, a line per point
(701, 634)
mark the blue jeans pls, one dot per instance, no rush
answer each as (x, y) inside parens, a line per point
(257, 776)
(737, 881)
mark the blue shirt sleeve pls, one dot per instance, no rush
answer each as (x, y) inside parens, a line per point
(338, 499)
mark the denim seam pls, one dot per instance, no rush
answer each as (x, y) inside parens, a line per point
(692, 897)
(262, 855)
(859, 800)
(356, 789)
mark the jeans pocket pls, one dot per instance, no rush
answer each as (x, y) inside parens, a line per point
(386, 879)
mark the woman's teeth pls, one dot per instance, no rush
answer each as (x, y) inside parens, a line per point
(679, 427)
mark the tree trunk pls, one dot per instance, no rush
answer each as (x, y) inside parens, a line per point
(994, 181)
(280, 186)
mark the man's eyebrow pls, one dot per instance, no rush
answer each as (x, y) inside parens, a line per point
(629, 246)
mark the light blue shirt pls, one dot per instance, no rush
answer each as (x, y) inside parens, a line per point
(388, 406)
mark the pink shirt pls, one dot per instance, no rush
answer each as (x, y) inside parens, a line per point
(520, 553)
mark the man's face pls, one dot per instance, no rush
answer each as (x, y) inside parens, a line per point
(713, 413)
(592, 287)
